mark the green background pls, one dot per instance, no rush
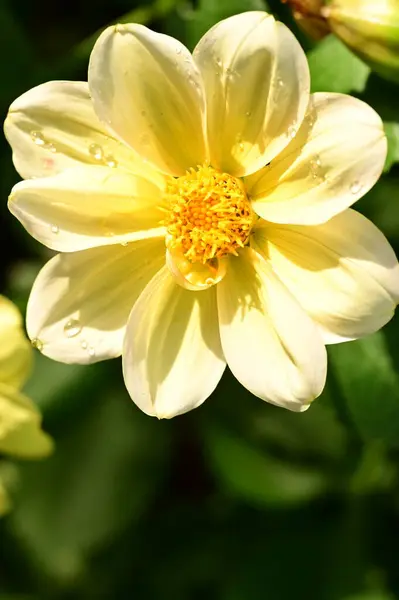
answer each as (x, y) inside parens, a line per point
(237, 500)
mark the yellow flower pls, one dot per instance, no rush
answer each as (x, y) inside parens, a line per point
(21, 435)
(224, 159)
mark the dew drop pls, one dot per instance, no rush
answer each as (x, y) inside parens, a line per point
(280, 83)
(248, 113)
(55, 229)
(218, 62)
(291, 132)
(50, 148)
(355, 187)
(38, 138)
(311, 118)
(315, 166)
(178, 50)
(91, 351)
(124, 244)
(72, 328)
(111, 162)
(83, 344)
(96, 151)
(38, 344)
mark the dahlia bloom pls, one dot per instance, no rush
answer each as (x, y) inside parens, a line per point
(200, 205)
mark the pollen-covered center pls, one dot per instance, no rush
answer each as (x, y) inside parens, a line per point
(210, 214)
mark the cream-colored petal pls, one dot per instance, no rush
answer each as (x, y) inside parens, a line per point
(15, 349)
(20, 426)
(146, 86)
(195, 276)
(256, 78)
(53, 127)
(172, 359)
(80, 302)
(87, 206)
(270, 343)
(344, 273)
(336, 157)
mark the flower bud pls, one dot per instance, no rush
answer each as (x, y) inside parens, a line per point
(371, 29)
(308, 15)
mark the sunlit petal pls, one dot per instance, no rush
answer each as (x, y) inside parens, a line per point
(146, 86)
(336, 157)
(172, 359)
(256, 78)
(343, 272)
(80, 302)
(270, 344)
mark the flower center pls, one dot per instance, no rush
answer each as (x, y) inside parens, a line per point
(210, 214)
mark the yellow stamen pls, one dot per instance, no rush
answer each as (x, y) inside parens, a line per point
(210, 214)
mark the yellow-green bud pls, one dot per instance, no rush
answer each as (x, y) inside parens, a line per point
(371, 29)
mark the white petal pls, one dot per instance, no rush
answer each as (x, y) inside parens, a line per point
(336, 157)
(270, 344)
(87, 206)
(256, 78)
(15, 349)
(20, 426)
(344, 273)
(172, 359)
(53, 127)
(80, 302)
(146, 86)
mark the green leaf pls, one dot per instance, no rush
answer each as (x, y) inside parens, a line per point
(380, 205)
(381, 95)
(334, 68)
(371, 596)
(5, 504)
(368, 379)
(257, 477)
(107, 466)
(392, 133)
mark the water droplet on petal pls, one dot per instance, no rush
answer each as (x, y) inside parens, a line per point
(50, 147)
(91, 351)
(38, 344)
(355, 187)
(280, 83)
(83, 344)
(111, 162)
(178, 50)
(291, 132)
(124, 243)
(38, 138)
(248, 113)
(55, 229)
(219, 62)
(72, 328)
(96, 151)
(315, 167)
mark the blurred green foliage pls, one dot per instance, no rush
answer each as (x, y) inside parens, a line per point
(237, 500)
